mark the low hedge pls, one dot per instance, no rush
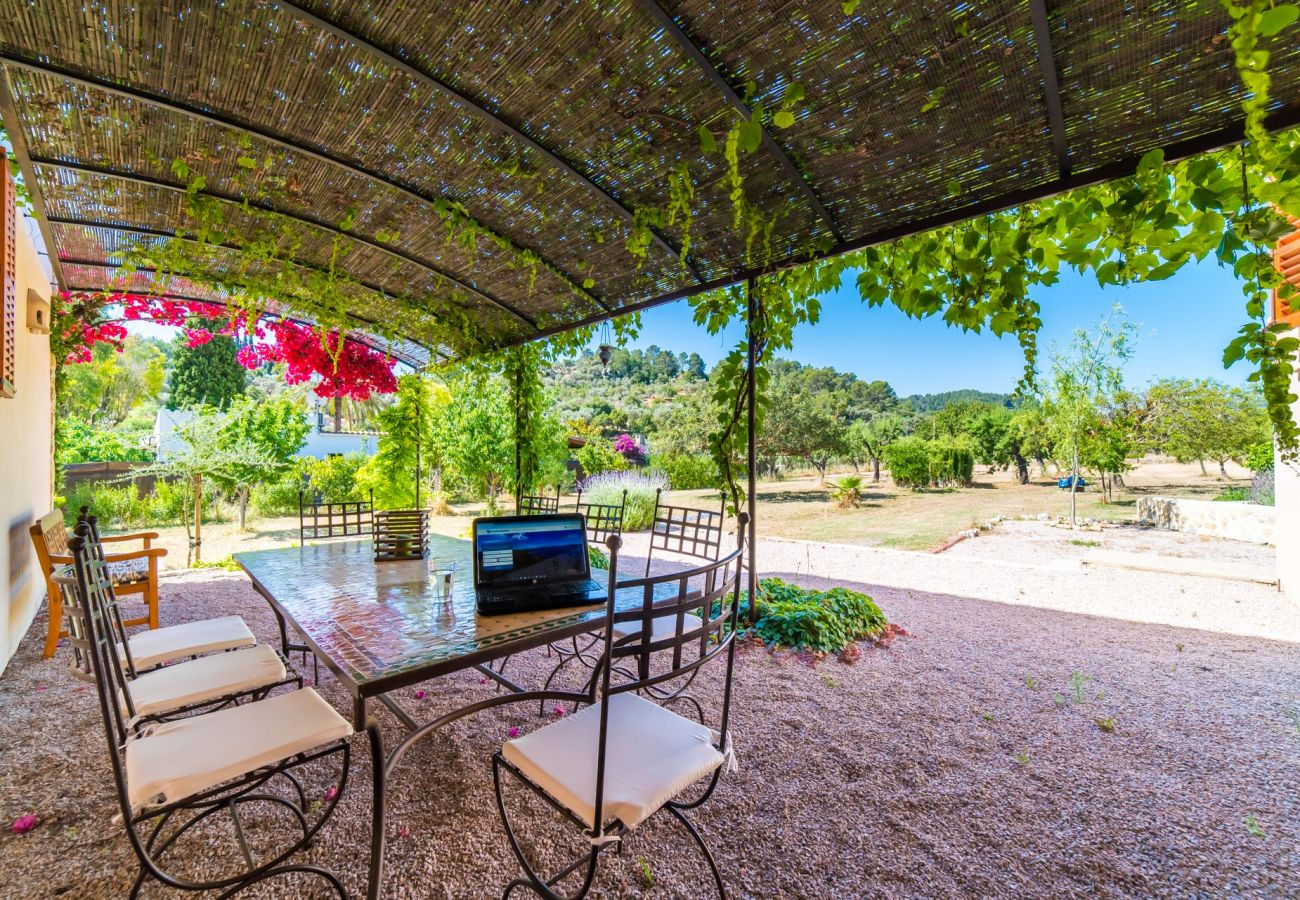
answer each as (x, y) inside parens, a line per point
(821, 621)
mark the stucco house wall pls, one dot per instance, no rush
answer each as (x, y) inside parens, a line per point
(26, 456)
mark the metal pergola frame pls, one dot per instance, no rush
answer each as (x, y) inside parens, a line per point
(1021, 74)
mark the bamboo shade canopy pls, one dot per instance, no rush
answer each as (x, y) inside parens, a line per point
(549, 123)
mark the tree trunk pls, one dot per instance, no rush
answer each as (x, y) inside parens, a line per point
(1042, 466)
(1074, 485)
(875, 468)
(1118, 480)
(1022, 469)
(243, 506)
(821, 470)
(1202, 462)
(1223, 468)
(198, 518)
(338, 416)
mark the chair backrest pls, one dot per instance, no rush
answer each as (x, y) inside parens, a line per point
(539, 504)
(112, 611)
(603, 519)
(318, 521)
(711, 592)
(88, 593)
(50, 538)
(683, 529)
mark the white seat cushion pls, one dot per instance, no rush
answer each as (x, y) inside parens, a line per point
(150, 648)
(206, 678)
(652, 755)
(186, 757)
(660, 628)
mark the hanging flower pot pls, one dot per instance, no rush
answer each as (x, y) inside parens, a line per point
(606, 352)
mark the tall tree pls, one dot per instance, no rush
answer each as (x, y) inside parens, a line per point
(202, 452)
(277, 428)
(1203, 419)
(204, 372)
(103, 392)
(803, 426)
(1085, 381)
(874, 435)
(408, 438)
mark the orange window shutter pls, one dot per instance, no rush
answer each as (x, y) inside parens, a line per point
(8, 278)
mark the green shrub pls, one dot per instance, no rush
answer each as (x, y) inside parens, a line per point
(951, 462)
(335, 477)
(821, 621)
(279, 497)
(908, 461)
(687, 471)
(1259, 457)
(847, 492)
(598, 455)
(608, 488)
(78, 442)
(916, 463)
(1233, 494)
(120, 506)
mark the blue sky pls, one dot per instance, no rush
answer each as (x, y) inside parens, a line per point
(1185, 323)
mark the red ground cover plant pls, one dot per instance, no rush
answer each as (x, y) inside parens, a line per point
(344, 366)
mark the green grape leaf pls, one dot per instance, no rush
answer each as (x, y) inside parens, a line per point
(708, 143)
(783, 118)
(1274, 20)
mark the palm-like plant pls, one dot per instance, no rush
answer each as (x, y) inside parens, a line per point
(847, 492)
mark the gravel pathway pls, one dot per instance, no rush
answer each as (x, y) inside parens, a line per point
(957, 763)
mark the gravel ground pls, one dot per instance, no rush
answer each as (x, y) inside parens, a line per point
(956, 763)
(1018, 541)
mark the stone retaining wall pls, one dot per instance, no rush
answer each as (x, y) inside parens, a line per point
(1234, 520)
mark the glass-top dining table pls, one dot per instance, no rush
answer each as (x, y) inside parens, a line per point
(381, 626)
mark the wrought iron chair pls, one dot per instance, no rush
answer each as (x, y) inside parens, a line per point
(203, 684)
(321, 521)
(133, 573)
(539, 504)
(696, 533)
(602, 519)
(175, 776)
(150, 649)
(611, 766)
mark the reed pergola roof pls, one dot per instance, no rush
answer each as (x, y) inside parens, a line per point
(550, 123)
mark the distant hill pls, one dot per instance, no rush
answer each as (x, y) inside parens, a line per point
(935, 402)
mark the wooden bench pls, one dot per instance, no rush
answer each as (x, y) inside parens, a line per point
(133, 572)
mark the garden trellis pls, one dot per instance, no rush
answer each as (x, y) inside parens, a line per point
(477, 174)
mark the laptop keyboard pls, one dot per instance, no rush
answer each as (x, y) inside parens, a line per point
(542, 597)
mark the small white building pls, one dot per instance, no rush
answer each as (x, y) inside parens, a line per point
(321, 440)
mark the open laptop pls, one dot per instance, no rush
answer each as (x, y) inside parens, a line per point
(533, 562)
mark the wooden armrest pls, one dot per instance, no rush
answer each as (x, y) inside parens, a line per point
(141, 536)
(61, 560)
(156, 552)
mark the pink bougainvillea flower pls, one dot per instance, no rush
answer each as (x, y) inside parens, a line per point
(307, 682)
(482, 681)
(559, 710)
(419, 695)
(197, 337)
(331, 793)
(514, 731)
(24, 824)
(404, 831)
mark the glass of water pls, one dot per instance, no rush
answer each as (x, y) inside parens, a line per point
(444, 578)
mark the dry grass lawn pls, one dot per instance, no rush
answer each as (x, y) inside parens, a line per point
(798, 507)
(922, 520)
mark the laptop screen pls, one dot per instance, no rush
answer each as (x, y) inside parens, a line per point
(532, 550)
